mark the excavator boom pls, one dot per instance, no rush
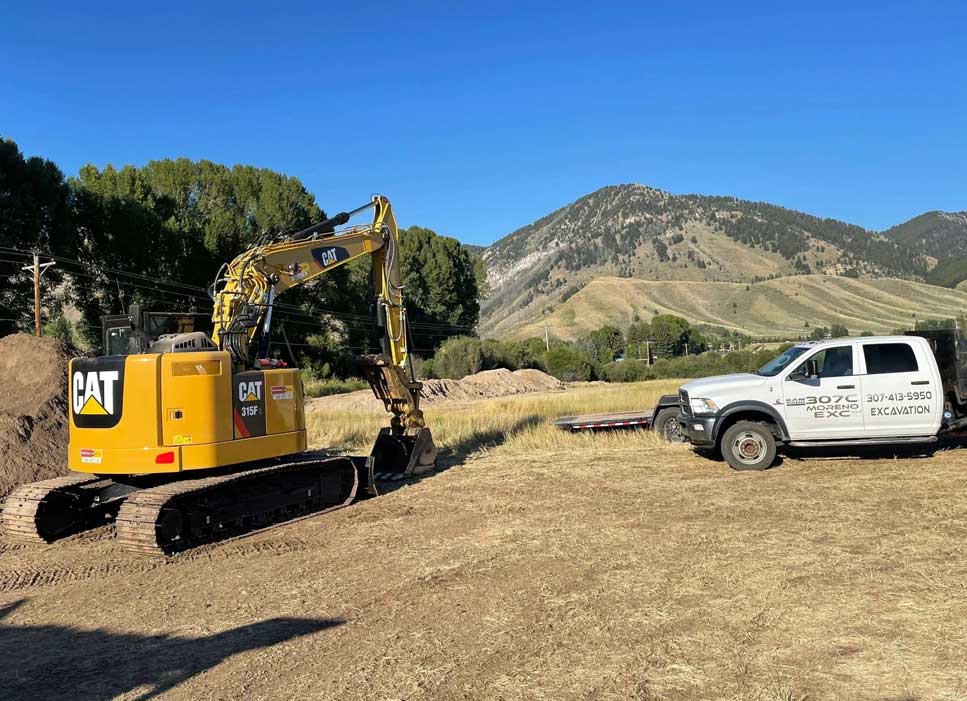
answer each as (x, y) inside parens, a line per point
(246, 289)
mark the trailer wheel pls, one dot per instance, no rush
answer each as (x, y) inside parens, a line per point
(749, 445)
(667, 427)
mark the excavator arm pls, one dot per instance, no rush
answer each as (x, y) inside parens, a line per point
(245, 291)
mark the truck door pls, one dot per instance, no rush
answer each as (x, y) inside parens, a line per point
(822, 396)
(899, 390)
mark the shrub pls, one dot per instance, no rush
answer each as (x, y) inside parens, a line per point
(627, 371)
(459, 357)
(323, 388)
(61, 329)
(568, 364)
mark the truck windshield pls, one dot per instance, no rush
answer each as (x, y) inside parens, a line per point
(776, 365)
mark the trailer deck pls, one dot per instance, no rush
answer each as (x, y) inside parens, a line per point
(594, 422)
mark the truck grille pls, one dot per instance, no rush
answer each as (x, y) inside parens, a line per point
(683, 400)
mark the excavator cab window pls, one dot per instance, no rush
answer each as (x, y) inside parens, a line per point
(130, 334)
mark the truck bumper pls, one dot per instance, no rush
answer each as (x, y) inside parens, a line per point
(697, 429)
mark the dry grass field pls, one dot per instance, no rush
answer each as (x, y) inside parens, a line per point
(538, 565)
(772, 308)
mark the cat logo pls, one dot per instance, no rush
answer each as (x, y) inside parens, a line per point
(329, 256)
(249, 404)
(250, 391)
(94, 392)
(97, 391)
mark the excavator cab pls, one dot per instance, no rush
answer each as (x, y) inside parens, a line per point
(124, 334)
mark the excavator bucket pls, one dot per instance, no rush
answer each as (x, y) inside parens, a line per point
(400, 456)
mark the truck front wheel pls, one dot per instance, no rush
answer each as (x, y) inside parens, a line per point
(748, 445)
(666, 425)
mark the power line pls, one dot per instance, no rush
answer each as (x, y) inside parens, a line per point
(430, 329)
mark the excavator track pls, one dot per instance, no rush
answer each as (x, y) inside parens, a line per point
(185, 514)
(43, 512)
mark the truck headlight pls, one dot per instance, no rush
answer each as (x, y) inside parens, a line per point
(701, 405)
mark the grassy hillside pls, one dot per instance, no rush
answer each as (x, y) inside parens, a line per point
(638, 232)
(949, 273)
(941, 235)
(772, 308)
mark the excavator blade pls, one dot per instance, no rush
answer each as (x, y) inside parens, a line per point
(400, 456)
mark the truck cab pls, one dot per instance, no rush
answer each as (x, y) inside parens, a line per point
(848, 391)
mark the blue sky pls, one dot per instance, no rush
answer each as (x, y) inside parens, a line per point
(477, 118)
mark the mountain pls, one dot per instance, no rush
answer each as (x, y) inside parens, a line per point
(788, 306)
(941, 235)
(937, 234)
(634, 231)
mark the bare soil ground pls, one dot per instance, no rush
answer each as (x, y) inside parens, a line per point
(33, 410)
(539, 565)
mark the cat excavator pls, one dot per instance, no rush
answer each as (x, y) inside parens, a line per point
(193, 439)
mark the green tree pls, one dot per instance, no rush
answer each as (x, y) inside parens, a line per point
(636, 336)
(459, 357)
(669, 335)
(569, 364)
(179, 220)
(439, 285)
(603, 344)
(838, 331)
(34, 214)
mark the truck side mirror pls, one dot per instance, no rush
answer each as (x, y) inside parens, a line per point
(806, 371)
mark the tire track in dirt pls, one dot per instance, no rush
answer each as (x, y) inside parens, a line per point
(32, 576)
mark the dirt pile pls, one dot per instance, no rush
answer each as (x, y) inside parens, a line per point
(33, 410)
(484, 385)
(490, 383)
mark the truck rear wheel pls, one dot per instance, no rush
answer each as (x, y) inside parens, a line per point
(749, 445)
(666, 425)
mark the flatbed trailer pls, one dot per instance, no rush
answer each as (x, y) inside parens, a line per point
(663, 417)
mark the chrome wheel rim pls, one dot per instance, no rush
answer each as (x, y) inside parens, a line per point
(672, 431)
(748, 447)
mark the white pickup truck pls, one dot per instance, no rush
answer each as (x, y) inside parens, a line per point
(876, 390)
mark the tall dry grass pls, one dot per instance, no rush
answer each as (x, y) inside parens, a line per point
(520, 423)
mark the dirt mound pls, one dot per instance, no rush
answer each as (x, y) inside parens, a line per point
(484, 385)
(491, 383)
(33, 410)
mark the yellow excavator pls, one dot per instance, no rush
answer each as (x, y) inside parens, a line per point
(192, 438)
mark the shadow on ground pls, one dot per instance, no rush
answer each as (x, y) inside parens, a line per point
(457, 454)
(57, 662)
(952, 441)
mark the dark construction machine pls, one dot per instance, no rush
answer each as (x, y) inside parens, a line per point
(185, 438)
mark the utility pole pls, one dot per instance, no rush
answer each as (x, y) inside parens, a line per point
(648, 353)
(686, 349)
(547, 341)
(38, 271)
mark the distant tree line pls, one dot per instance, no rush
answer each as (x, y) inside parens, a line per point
(667, 347)
(664, 347)
(177, 221)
